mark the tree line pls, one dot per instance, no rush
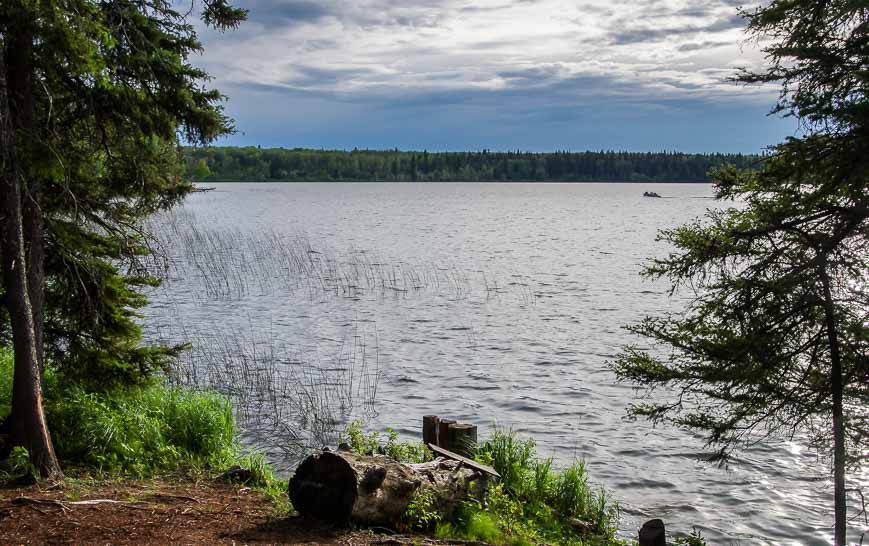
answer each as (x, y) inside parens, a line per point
(250, 164)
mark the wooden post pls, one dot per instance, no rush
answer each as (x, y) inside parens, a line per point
(653, 533)
(444, 433)
(430, 425)
(462, 438)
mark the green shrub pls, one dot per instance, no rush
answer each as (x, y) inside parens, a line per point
(153, 428)
(482, 526)
(571, 495)
(142, 431)
(6, 371)
(17, 465)
(405, 452)
(533, 503)
(536, 503)
(514, 460)
(422, 513)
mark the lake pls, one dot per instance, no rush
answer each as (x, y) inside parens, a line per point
(314, 304)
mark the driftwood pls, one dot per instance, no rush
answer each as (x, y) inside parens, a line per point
(464, 460)
(375, 489)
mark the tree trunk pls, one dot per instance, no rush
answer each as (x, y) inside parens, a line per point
(839, 501)
(34, 237)
(27, 420)
(376, 490)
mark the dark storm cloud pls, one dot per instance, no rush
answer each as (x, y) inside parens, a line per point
(651, 34)
(308, 79)
(535, 75)
(702, 46)
(281, 13)
(286, 13)
(572, 116)
(311, 76)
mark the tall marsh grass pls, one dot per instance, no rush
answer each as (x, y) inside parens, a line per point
(287, 402)
(229, 264)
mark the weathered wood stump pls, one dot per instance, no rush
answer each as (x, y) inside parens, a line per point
(462, 438)
(444, 433)
(430, 425)
(374, 489)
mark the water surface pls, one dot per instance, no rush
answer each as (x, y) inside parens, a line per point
(498, 304)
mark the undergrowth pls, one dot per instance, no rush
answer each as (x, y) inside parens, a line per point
(533, 503)
(6, 370)
(405, 452)
(142, 433)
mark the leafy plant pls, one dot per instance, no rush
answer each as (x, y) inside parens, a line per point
(17, 465)
(694, 539)
(422, 512)
(360, 442)
(405, 452)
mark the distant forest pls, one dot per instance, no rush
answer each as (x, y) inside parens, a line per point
(278, 164)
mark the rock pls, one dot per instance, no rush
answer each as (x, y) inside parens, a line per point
(580, 525)
(235, 474)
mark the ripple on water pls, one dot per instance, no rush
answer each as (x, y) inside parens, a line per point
(532, 354)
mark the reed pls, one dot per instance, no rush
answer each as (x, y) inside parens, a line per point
(228, 264)
(287, 403)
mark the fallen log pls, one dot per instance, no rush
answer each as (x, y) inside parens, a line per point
(340, 487)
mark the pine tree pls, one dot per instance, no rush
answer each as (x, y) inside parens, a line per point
(774, 341)
(95, 97)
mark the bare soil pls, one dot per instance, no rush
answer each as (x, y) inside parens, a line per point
(163, 512)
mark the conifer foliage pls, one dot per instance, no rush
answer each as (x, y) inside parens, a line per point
(774, 341)
(94, 98)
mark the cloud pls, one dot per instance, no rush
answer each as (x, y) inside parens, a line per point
(281, 13)
(540, 61)
(654, 33)
(703, 46)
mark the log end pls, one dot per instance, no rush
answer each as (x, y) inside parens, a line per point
(324, 487)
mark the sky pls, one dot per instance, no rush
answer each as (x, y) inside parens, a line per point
(535, 75)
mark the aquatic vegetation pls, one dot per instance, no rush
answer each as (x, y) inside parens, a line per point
(228, 264)
(292, 402)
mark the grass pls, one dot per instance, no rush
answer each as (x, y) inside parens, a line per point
(406, 452)
(533, 503)
(140, 433)
(536, 502)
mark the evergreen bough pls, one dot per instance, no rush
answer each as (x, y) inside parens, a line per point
(774, 341)
(95, 97)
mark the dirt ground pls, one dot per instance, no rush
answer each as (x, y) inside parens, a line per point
(159, 512)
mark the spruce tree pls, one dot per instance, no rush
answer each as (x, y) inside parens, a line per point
(774, 341)
(95, 99)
